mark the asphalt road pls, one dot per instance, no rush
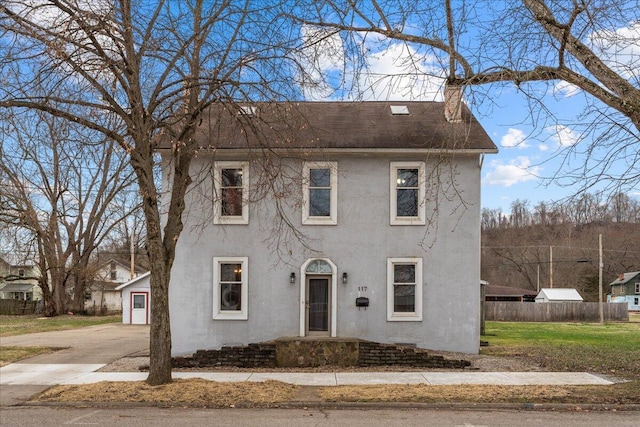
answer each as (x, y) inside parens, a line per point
(180, 417)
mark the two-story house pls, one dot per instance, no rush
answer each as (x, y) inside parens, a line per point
(626, 288)
(334, 219)
(19, 279)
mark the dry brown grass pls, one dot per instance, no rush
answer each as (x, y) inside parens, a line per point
(193, 392)
(422, 393)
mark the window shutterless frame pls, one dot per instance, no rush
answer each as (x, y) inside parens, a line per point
(230, 288)
(407, 193)
(231, 181)
(404, 289)
(320, 193)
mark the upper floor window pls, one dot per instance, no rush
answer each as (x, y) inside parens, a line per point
(637, 287)
(320, 193)
(231, 184)
(404, 289)
(113, 274)
(407, 190)
(21, 273)
(230, 288)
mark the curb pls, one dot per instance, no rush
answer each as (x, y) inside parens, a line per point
(564, 407)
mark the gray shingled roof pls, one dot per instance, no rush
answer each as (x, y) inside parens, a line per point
(340, 125)
(625, 278)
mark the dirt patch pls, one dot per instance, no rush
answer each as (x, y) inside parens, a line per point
(479, 362)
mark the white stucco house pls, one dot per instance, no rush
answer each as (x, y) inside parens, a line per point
(332, 219)
(558, 295)
(136, 300)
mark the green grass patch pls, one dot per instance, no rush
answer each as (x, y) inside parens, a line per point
(612, 348)
(10, 354)
(20, 325)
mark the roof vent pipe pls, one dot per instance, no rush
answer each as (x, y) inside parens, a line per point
(453, 103)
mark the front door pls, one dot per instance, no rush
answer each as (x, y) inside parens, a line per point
(317, 305)
(139, 308)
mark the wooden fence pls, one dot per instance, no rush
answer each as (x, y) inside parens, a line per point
(554, 311)
(16, 306)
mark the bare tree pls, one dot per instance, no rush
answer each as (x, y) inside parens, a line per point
(153, 67)
(520, 255)
(59, 182)
(590, 45)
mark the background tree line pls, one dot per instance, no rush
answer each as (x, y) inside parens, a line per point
(532, 246)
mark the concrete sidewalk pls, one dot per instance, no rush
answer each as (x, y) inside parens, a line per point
(52, 374)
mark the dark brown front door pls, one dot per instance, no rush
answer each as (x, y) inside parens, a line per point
(318, 300)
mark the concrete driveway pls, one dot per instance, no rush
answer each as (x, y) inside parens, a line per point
(88, 348)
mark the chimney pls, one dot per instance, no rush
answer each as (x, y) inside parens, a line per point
(453, 103)
(621, 277)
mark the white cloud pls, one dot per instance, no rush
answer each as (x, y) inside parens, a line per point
(565, 89)
(514, 138)
(515, 171)
(620, 49)
(399, 72)
(543, 147)
(563, 136)
(323, 56)
(393, 71)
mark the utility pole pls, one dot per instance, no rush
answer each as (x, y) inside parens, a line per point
(551, 266)
(600, 267)
(132, 255)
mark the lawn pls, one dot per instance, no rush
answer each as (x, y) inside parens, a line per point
(20, 325)
(612, 348)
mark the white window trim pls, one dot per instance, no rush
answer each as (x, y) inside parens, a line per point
(217, 179)
(243, 313)
(422, 209)
(637, 287)
(332, 219)
(404, 316)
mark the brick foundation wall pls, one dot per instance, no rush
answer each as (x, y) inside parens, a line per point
(265, 355)
(376, 354)
(262, 355)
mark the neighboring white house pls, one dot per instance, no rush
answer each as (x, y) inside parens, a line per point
(558, 295)
(136, 300)
(19, 279)
(333, 219)
(101, 294)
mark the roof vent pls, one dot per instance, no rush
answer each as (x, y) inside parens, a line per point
(248, 110)
(399, 110)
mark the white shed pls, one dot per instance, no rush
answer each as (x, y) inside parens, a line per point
(558, 295)
(136, 300)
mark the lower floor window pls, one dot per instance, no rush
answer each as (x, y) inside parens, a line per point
(404, 289)
(230, 287)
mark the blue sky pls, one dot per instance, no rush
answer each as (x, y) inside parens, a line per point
(537, 152)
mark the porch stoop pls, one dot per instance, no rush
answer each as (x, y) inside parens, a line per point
(297, 352)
